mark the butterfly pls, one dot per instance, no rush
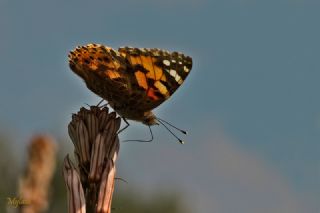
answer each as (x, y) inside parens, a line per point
(134, 81)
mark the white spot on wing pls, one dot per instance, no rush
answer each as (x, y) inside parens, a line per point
(185, 69)
(173, 73)
(177, 78)
(166, 62)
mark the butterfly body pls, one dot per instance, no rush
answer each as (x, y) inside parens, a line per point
(133, 80)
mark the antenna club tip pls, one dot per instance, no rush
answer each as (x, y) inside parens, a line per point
(185, 132)
(181, 141)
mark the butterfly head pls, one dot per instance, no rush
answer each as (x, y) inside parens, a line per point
(149, 119)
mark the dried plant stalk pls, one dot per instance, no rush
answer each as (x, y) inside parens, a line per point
(34, 185)
(94, 135)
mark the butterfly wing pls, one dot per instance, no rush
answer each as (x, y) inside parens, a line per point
(133, 80)
(156, 74)
(103, 70)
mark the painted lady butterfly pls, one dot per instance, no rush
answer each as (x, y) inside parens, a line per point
(133, 80)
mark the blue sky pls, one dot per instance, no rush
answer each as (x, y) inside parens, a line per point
(251, 103)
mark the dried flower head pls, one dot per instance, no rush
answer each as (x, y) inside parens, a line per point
(94, 135)
(34, 185)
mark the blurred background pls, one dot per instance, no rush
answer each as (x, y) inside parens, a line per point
(251, 103)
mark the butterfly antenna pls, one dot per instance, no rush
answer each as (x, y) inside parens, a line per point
(103, 105)
(160, 121)
(181, 130)
(127, 125)
(142, 140)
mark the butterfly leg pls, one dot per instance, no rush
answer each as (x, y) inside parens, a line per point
(104, 105)
(127, 125)
(151, 139)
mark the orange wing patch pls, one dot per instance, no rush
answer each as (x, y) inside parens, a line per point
(162, 89)
(135, 60)
(158, 71)
(112, 74)
(151, 94)
(153, 72)
(141, 79)
(146, 62)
